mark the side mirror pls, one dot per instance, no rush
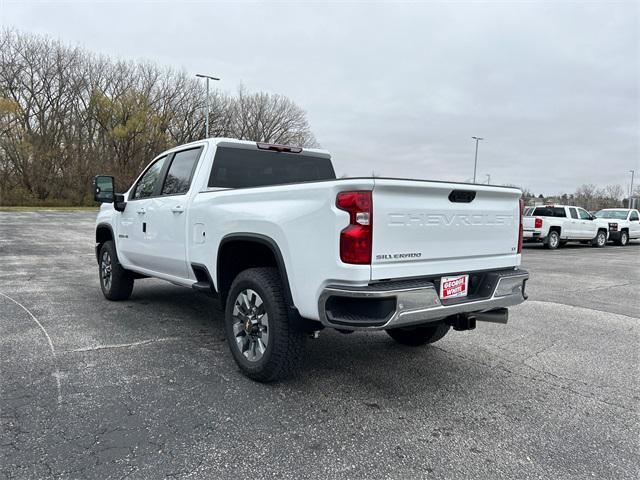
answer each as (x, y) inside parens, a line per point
(103, 191)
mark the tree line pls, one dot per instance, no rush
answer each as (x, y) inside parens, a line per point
(67, 114)
(588, 196)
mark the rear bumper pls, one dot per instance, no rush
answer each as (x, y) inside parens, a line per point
(531, 236)
(404, 303)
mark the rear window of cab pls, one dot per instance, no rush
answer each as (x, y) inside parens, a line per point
(242, 168)
(549, 212)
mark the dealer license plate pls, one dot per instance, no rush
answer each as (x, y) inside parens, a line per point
(454, 287)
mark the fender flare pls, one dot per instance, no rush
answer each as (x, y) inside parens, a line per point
(99, 226)
(269, 243)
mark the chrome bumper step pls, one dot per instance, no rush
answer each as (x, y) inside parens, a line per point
(412, 302)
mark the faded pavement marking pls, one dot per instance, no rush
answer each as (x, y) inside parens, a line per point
(53, 350)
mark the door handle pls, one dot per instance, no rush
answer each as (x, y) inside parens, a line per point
(178, 209)
(141, 211)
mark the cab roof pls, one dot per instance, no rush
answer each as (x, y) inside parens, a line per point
(234, 142)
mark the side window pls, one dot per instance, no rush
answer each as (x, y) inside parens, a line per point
(634, 217)
(559, 212)
(573, 213)
(584, 215)
(147, 183)
(179, 175)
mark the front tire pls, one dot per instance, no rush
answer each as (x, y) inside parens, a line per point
(262, 340)
(116, 282)
(624, 239)
(418, 336)
(600, 240)
(553, 240)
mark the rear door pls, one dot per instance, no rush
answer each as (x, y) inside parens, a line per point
(423, 228)
(573, 227)
(166, 249)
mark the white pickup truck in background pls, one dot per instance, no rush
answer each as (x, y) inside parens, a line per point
(623, 224)
(289, 249)
(555, 225)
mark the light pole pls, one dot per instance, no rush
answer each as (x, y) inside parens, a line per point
(631, 188)
(207, 113)
(488, 178)
(475, 164)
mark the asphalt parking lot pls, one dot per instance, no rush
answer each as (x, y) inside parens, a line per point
(147, 389)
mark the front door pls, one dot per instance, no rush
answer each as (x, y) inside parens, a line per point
(588, 227)
(133, 222)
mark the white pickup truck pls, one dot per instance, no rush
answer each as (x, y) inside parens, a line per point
(623, 224)
(289, 249)
(555, 225)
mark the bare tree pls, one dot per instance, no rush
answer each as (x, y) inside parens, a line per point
(66, 115)
(586, 196)
(266, 117)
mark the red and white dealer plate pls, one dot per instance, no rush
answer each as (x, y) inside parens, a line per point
(454, 287)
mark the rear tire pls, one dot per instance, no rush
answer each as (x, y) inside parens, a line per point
(623, 241)
(262, 340)
(600, 240)
(418, 336)
(553, 240)
(116, 282)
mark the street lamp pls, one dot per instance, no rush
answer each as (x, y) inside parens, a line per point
(475, 164)
(207, 113)
(631, 188)
(488, 178)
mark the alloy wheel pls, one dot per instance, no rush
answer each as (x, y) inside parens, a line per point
(624, 239)
(250, 325)
(105, 270)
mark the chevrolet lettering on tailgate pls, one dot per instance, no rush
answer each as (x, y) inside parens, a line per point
(442, 219)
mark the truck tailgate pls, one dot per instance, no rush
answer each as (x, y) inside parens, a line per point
(423, 228)
(529, 224)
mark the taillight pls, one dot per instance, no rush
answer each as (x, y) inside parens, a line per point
(521, 227)
(538, 223)
(278, 148)
(356, 238)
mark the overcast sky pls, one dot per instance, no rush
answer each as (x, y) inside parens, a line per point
(399, 89)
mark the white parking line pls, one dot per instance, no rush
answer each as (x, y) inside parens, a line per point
(53, 351)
